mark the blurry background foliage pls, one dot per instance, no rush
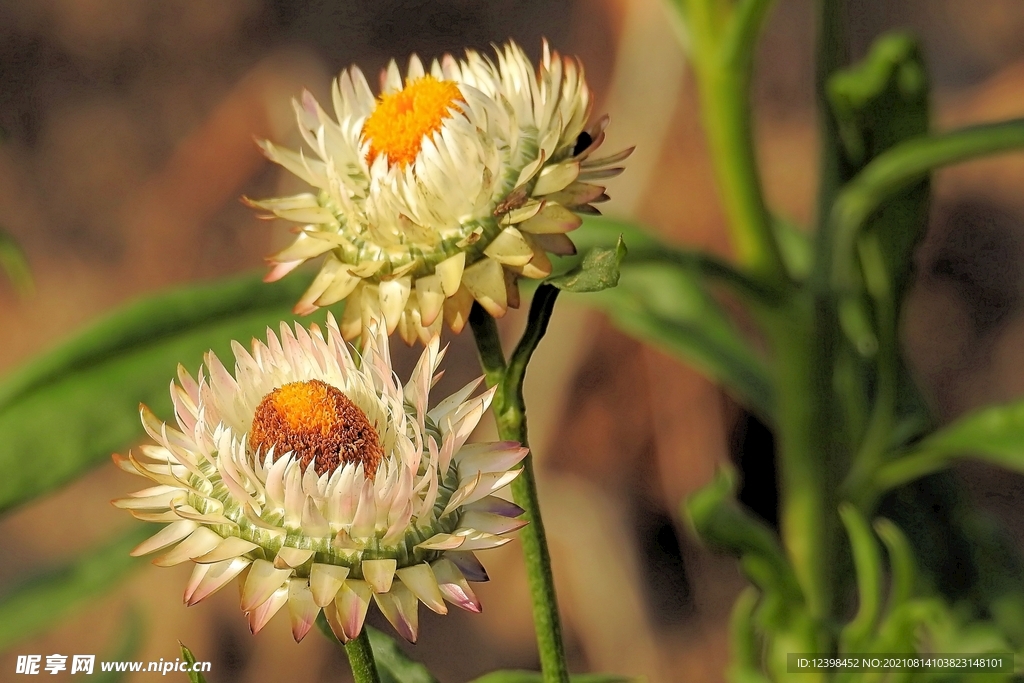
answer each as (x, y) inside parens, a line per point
(128, 138)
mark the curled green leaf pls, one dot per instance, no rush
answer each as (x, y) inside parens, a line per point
(599, 270)
(867, 560)
(720, 521)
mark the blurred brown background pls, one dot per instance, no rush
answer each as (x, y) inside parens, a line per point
(130, 130)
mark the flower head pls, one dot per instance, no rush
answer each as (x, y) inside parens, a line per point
(323, 483)
(441, 191)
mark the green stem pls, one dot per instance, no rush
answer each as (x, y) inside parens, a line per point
(358, 651)
(510, 415)
(723, 47)
(360, 658)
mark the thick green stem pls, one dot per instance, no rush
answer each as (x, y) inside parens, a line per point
(360, 658)
(358, 651)
(806, 418)
(510, 415)
(723, 47)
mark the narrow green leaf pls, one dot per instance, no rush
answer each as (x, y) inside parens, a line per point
(394, 665)
(129, 645)
(598, 271)
(536, 677)
(867, 560)
(71, 407)
(662, 299)
(901, 167)
(668, 307)
(193, 676)
(994, 434)
(44, 600)
(902, 566)
(13, 262)
(721, 522)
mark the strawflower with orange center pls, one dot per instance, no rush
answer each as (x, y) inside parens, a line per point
(320, 482)
(444, 190)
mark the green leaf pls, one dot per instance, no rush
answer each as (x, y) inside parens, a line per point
(193, 676)
(12, 262)
(69, 408)
(44, 600)
(720, 521)
(127, 648)
(662, 299)
(867, 560)
(669, 308)
(901, 167)
(994, 434)
(393, 665)
(598, 271)
(879, 103)
(535, 677)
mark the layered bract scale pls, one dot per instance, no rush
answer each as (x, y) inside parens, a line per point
(324, 484)
(443, 190)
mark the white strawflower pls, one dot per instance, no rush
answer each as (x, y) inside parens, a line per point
(323, 483)
(443, 190)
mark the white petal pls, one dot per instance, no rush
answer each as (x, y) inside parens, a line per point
(450, 272)
(379, 574)
(170, 534)
(200, 542)
(553, 218)
(228, 549)
(394, 295)
(485, 280)
(556, 177)
(509, 248)
(430, 296)
(291, 557)
(325, 580)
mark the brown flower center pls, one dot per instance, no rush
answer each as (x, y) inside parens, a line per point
(318, 424)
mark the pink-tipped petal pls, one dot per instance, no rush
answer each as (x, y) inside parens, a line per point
(454, 586)
(420, 580)
(261, 583)
(200, 542)
(217, 577)
(259, 617)
(401, 608)
(230, 548)
(169, 535)
(302, 610)
(352, 601)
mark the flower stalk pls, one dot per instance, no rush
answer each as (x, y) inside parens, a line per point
(510, 416)
(360, 658)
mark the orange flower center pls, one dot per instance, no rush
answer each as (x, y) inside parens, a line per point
(319, 424)
(402, 119)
